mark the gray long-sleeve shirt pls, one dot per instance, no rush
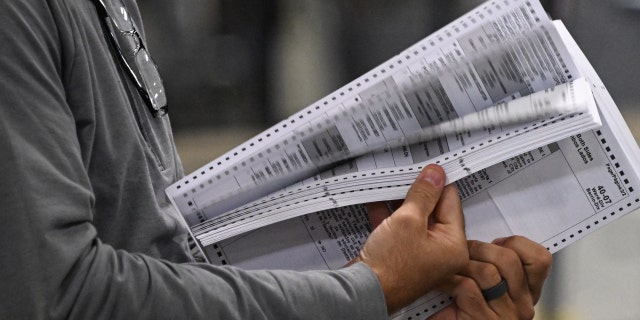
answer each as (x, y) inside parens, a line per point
(86, 231)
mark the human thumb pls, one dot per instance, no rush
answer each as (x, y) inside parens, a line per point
(425, 191)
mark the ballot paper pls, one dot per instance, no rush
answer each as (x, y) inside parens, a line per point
(502, 98)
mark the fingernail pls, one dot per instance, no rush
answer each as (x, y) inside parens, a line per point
(434, 177)
(499, 241)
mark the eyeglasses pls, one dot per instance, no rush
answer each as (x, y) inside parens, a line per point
(134, 55)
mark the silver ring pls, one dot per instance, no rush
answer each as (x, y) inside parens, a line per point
(496, 291)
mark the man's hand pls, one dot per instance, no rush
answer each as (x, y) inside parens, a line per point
(421, 244)
(522, 263)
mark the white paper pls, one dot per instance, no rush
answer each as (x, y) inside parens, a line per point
(453, 72)
(554, 193)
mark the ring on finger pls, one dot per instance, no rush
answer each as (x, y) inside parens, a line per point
(496, 291)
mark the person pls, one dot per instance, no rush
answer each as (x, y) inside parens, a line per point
(86, 231)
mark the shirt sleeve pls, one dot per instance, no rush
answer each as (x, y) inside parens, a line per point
(53, 264)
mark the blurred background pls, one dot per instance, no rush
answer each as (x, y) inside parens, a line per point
(234, 68)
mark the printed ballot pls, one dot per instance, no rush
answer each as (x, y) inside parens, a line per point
(502, 98)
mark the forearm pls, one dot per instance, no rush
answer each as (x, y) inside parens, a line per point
(60, 269)
(109, 284)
